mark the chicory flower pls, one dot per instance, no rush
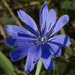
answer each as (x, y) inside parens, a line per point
(37, 44)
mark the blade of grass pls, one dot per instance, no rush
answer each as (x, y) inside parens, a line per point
(7, 66)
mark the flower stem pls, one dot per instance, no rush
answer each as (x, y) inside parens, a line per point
(39, 66)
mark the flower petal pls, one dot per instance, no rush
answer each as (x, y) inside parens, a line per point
(37, 54)
(28, 21)
(33, 56)
(29, 63)
(61, 40)
(48, 63)
(45, 51)
(18, 31)
(51, 19)
(43, 17)
(59, 24)
(47, 58)
(20, 52)
(17, 41)
(54, 49)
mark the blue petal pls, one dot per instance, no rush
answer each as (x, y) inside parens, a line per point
(51, 19)
(61, 40)
(17, 41)
(37, 53)
(20, 52)
(47, 58)
(45, 51)
(28, 21)
(33, 56)
(48, 63)
(43, 17)
(18, 31)
(54, 49)
(59, 24)
(29, 63)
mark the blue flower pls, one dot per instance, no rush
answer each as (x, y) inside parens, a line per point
(37, 44)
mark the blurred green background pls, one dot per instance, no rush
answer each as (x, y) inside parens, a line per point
(65, 64)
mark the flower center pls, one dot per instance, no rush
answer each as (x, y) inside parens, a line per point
(42, 40)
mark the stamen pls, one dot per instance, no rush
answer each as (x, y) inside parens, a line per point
(42, 39)
(45, 37)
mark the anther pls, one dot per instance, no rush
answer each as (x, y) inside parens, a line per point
(42, 39)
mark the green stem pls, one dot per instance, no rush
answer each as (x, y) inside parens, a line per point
(39, 66)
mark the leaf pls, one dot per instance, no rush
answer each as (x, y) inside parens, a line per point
(68, 52)
(66, 4)
(69, 7)
(8, 21)
(60, 67)
(7, 66)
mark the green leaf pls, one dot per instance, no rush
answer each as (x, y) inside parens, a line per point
(68, 52)
(69, 7)
(7, 66)
(66, 4)
(60, 67)
(7, 21)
